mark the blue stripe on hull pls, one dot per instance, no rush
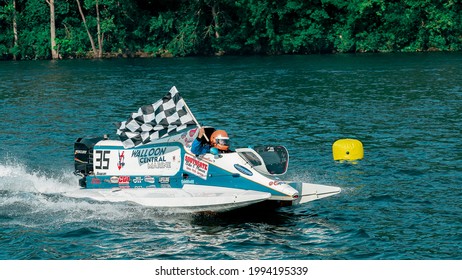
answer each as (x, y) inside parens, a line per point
(216, 177)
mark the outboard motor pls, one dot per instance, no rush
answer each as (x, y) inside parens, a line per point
(83, 156)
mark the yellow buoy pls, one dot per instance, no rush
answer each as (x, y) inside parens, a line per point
(347, 149)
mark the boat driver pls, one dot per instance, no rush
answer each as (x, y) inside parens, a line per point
(219, 139)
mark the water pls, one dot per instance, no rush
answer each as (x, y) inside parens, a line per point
(402, 201)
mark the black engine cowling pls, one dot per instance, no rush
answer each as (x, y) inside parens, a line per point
(83, 154)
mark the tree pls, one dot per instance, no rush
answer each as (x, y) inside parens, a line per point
(96, 52)
(30, 28)
(108, 19)
(54, 50)
(15, 31)
(9, 31)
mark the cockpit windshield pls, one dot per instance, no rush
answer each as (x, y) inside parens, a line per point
(251, 158)
(276, 158)
(269, 160)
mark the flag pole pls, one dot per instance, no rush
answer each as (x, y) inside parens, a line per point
(194, 119)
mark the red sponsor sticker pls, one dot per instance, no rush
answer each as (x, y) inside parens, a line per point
(95, 180)
(192, 132)
(124, 180)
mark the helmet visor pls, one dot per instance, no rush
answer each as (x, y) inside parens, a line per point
(223, 141)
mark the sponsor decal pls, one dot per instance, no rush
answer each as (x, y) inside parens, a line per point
(80, 152)
(151, 155)
(149, 179)
(95, 181)
(192, 132)
(187, 181)
(188, 137)
(195, 166)
(124, 180)
(243, 170)
(137, 180)
(121, 162)
(151, 186)
(114, 179)
(164, 180)
(159, 165)
(101, 173)
(275, 183)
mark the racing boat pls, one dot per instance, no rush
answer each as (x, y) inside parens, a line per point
(152, 165)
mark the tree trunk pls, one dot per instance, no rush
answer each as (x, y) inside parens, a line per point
(99, 35)
(93, 47)
(215, 19)
(15, 29)
(54, 51)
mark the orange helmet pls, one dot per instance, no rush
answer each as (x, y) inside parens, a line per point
(220, 140)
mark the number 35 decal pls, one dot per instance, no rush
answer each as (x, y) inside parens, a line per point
(102, 159)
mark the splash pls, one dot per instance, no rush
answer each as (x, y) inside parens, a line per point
(39, 198)
(15, 177)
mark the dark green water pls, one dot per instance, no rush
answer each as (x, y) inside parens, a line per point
(402, 201)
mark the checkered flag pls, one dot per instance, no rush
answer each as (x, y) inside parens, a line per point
(167, 116)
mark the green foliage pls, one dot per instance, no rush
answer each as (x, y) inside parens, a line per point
(207, 27)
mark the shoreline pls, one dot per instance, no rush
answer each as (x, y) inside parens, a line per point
(167, 54)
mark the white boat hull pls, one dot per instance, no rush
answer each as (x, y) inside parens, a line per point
(190, 198)
(310, 192)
